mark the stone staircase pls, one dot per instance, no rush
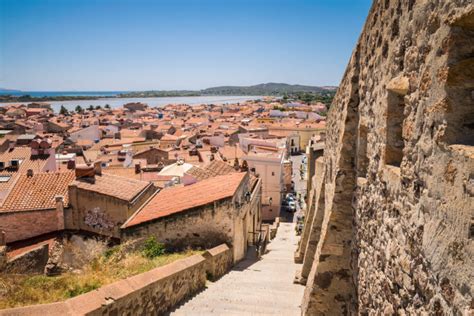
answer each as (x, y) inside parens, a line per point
(263, 287)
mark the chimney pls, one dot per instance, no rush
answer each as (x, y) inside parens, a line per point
(29, 173)
(71, 164)
(98, 168)
(86, 173)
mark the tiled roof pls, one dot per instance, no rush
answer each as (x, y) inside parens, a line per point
(119, 187)
(198, 173)
(218, 167)
(38, 191)
(178, 199)
(214, 168)
(37, 164)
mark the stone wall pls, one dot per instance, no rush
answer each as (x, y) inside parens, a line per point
(3, 257)
(397, 198)
(219, 261)
(205, 227)
(31, 261)
(151, 293)
(27, 224)
(234, 221)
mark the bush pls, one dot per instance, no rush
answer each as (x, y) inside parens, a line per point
(78, 288)
(152, 248)
(111, 252)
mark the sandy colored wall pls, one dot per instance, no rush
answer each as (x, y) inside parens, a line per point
(398, 200)
(113, 212)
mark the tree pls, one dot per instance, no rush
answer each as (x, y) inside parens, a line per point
(63, 110)
(107, 107)
(79, 109)
(91, 108)
(98, 107)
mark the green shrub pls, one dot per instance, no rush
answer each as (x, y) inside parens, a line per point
(78, 289)
(111, 251)
(152, 248)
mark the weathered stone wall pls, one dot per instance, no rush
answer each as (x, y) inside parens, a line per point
(398, 194)
(206, 227)
(32, 261)
(219, 261)
(3, 257)
(233, 221)
(151, 293)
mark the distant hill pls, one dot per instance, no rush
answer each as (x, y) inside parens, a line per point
(265, 89)
(9, 90)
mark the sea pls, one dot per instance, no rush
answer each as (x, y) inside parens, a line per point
(114, 102)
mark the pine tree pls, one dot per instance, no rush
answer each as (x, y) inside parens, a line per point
(63, 110)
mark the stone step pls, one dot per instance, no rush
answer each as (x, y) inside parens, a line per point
(263, 287)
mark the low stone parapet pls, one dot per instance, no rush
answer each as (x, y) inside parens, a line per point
(151, 293)
(219, 261)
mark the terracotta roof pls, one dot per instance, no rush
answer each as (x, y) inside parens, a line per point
(178, 199)
(218, 167)
(119, 187)
(198, 173)
(38, 191)
(37, 164)
(169, 137)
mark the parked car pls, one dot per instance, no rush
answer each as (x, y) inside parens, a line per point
(292, 206)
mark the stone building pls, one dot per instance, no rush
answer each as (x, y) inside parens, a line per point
(392, 227)
(100, 203)
(225, 208)
(153, 156)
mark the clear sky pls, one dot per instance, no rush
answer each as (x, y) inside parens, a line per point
(175, 44)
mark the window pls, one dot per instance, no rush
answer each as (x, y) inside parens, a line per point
(273, 173)
(395, 144)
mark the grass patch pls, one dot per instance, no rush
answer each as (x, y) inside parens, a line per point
(22, 290)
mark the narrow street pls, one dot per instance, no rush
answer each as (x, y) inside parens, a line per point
(299, 191)
(263, 287)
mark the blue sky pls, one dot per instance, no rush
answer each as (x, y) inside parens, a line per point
(175, 44)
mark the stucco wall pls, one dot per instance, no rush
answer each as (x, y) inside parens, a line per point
(112, 212)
